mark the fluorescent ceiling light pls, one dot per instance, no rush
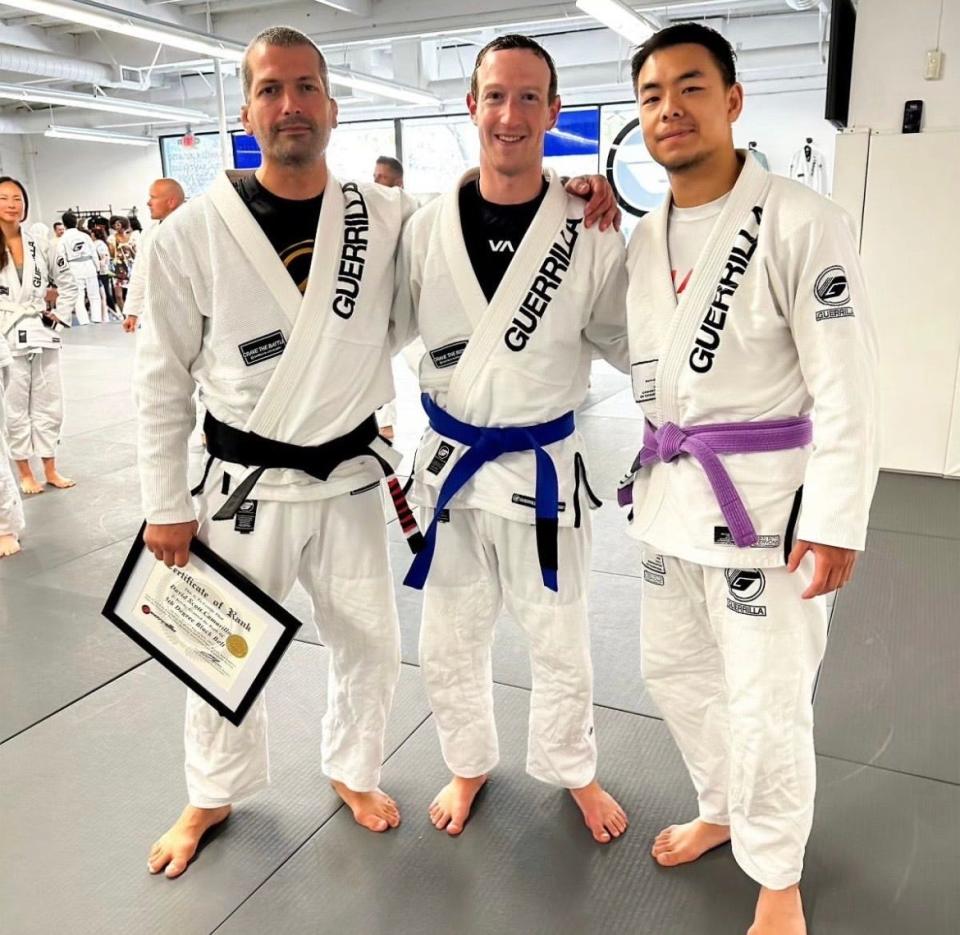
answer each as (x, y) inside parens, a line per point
(97, 136)
(139, 27)
(618, 17)
(116, 105)
(400, 92)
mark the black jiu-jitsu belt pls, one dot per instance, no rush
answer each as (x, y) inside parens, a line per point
(226, 443)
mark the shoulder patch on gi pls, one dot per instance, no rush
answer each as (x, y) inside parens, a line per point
(4, 290)
(831, 287)
(829, 314)
(263, 348)
(448, 355)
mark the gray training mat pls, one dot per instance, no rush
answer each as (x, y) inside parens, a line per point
(889, 690)
(926, 506)
(87, 792)
(525, 862)
(54, 649)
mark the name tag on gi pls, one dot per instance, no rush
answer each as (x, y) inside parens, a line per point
(448, 355)
(261, 349)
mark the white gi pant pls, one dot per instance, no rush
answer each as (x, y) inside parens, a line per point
(730, 656)
(89, 286)
(34, 404)
(483, 561)
(11, 508)
(337, 549)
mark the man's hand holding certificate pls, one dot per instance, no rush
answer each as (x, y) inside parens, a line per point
(200, 618)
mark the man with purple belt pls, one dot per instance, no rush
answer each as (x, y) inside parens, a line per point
(754, 359)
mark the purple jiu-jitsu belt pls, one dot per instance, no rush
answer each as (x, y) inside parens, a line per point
(706, 443)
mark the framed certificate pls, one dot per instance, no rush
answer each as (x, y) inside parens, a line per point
(214, 629)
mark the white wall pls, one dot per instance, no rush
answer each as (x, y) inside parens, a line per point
(68, 173)
(11, 157)
(780, 124)
(893, 37)
(905, 189)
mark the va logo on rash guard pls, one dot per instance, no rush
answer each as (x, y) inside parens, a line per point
(831, 287)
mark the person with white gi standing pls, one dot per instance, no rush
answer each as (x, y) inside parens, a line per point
(289, 343)
(512, 295)
(754, 360)
(34, 391)
(11, 507)
(163, 198)
(82, 257)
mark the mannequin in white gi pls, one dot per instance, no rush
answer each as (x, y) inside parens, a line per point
(755, 367)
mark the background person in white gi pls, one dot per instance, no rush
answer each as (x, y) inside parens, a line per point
(511, 294)
(239, 301)
(82, 256)
(163, 198)
(11, 509)
(34, 391)
(748, 315)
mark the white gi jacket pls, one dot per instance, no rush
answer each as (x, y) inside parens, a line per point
(80, 253)
(222, 311)
(22, 303)
(789, 336)
(522, 359)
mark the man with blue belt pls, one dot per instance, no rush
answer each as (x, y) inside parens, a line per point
(512, 295)
(753, 357)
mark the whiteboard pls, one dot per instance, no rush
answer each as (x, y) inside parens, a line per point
(910, 239)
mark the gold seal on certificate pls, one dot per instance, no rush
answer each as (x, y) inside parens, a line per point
(209, 625)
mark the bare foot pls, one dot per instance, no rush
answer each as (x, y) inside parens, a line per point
(30, 485)
(451, 808)
(55, 479)
(779, 912)
(601, 812)
(175, 849)
(681, 844)
(375, 811)
(9, 545)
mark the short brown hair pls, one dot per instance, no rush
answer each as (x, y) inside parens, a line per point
(285, 37)
(515, 41)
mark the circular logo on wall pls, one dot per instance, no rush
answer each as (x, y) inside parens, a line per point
(638, 182)
(831, 287)
(745, 584)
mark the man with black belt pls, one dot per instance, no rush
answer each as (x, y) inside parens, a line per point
(289, 345)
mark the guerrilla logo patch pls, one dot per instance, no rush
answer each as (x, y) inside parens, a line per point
(655, 570)
(545, 285)
(746, 584)
(246, 517)
(260, 349)
(448, 355)
(353, 254)
(440, 458)
(723, 536)
(711, 328)
(831, 287)
(4, 290)
(523, 500)
(828, 314)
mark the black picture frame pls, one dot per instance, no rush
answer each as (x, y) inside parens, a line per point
(243, 584)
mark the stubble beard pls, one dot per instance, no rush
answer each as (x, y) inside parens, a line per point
(298, 153)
